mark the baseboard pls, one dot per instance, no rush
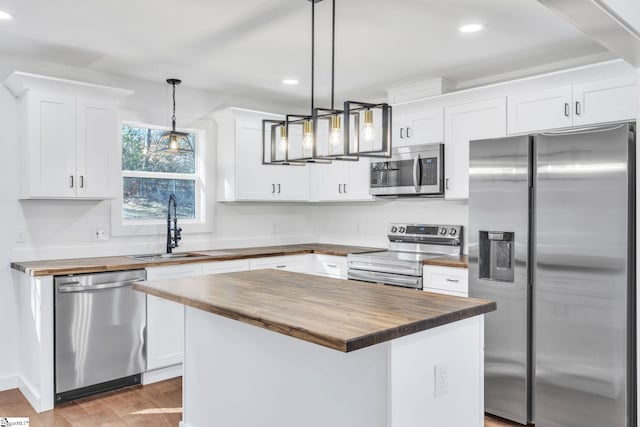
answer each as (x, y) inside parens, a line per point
(161, 374)
(31, 394)
(8, 383)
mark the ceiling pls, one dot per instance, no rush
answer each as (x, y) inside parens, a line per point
(247, 47)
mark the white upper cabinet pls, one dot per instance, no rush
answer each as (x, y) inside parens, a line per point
(607, 100)
(579, 104)
(241, 174)
(69, 137)
(412, 126)
(464, 123)
(341, 181)
(545, 109)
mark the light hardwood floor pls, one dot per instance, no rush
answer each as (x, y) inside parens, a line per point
(156, 405)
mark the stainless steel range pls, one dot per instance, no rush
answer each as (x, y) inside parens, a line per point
(409, 246)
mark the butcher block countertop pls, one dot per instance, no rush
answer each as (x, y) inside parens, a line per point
(342, 315)
(114, 263)
(458, 261)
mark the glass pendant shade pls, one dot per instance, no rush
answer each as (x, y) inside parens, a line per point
(367, 130)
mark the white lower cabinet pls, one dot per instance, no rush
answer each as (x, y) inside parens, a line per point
(165, 320)
(330, 266)
(295, 263)
(446, 280)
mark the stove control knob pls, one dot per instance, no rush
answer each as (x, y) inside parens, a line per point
(394, 229)
(443, 231)
(402, 229)
(453, 231)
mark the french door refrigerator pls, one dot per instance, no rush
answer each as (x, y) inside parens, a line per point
(552, 240)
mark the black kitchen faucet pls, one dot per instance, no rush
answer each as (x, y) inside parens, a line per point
(173, 231)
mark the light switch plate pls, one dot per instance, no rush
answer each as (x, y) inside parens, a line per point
(99, 233)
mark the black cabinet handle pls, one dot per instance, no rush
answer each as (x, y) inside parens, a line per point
(278, 188)
(340, 188)
(71, 176)
(577, 108)
(344, 188)
(401, 133)
(408, 136)
(273, 188)
(566, 109)
(81, 181)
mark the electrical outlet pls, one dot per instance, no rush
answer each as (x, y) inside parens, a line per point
(21, 235)
(99, 233)
(440, 376)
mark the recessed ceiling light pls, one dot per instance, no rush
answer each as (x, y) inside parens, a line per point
(5, 15)
(290, 82)
(470, 28)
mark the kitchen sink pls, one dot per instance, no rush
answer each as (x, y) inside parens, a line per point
(166, 257)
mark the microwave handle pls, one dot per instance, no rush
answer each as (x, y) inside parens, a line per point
(416, 174)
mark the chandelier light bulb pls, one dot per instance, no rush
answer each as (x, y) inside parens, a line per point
(368, 132)
(282, 145)
(307, 140)
(335, 138)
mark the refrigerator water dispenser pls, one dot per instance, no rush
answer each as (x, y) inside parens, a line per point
(496, 256)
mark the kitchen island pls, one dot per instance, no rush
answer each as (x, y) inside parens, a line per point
(275, 348)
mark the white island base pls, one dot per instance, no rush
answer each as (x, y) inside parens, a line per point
(240, 375)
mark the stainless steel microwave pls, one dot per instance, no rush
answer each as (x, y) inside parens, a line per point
(411, 171)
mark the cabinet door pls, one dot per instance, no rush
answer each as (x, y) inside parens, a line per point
(254, 181)
(165, 320)
(358, 181)
(606, 100)
(327, 181)
(398, 129)
(292, 183)
(464, 123)
(97, 170)
(51, 122)
(547, 109)
(425, 127)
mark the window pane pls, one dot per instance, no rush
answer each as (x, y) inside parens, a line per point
(147, 198)
(141, 152)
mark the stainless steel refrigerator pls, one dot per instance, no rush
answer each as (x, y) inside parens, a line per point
(552, 240)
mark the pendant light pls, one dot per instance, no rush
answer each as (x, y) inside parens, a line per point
(174, 141)
(327, 122)
(360, 129)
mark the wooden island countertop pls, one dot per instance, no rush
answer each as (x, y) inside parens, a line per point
(344, 315)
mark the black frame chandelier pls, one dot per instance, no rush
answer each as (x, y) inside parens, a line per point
(360, 129)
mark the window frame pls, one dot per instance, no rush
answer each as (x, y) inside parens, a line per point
(127, 227)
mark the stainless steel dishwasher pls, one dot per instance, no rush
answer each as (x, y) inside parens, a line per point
(100, 325)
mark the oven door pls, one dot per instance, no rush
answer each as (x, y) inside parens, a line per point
(414, 282)
(416, 170)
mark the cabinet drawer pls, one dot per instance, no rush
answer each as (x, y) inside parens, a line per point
(297, 263)
(331, 266)
(449, 279)
(224, 267)
(173, 271)
(445, 292)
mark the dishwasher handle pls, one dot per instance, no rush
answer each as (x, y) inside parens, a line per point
(122, 284)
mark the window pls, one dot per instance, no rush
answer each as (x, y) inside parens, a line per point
(150, 174)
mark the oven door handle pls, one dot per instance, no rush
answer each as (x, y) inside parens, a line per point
(403, 270)
(388, 279)
(416, 173)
